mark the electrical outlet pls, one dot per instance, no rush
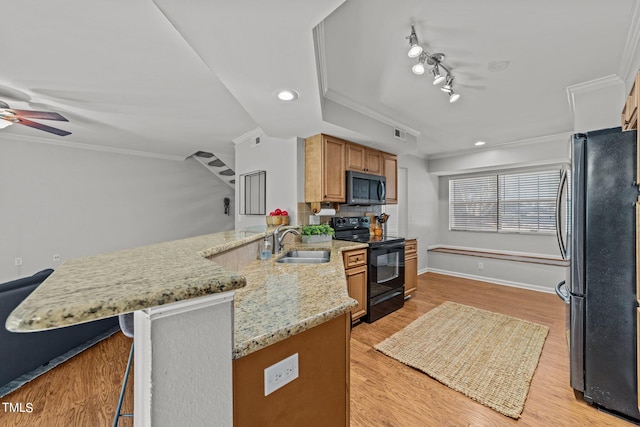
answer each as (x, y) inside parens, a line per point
(56, 257)
(280, 374)
(481, 266)
(17, 261)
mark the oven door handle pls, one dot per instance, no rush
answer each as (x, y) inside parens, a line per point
(387, 297)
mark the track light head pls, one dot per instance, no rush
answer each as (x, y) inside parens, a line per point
(453, 97)
(448, 85)
(419, 67)
(437, 77)
(414, 48)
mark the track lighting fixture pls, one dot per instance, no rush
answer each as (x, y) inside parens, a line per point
(435, 60)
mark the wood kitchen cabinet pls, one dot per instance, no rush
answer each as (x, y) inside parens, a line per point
(355, 268)
(362, 159)
(390, 171)
(630, 117)
(410, 266)
(324, 160)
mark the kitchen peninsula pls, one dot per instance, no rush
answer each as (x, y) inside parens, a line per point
(199, 318)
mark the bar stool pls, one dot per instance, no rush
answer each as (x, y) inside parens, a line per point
(126, 325)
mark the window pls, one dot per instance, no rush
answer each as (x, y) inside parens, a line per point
(504, 202)
(253, 193)
(473, 204)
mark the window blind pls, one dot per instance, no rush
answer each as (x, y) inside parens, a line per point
(504, 202)
(473, 203)
(527, 201)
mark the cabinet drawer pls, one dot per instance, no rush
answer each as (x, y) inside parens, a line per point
(354, 258)
(410, 248)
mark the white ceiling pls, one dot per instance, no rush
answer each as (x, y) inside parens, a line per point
(171, 77)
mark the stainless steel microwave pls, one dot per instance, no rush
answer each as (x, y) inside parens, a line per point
(365, 189)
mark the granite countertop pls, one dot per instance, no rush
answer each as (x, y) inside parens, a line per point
(100, 286)
(272, 300)
(281, 300)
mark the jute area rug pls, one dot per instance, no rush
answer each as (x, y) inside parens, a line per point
(487, 356)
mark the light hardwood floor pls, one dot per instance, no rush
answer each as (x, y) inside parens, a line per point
(384, 392)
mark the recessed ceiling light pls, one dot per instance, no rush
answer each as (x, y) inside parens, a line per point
(287, 95)
(479, 143)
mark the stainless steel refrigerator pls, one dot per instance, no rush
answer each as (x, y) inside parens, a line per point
(601, 287)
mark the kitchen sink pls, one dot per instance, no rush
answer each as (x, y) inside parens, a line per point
(305, 257)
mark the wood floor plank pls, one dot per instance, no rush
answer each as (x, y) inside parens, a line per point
(84, 390)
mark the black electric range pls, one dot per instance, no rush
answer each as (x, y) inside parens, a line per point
(385, 265)
(356, 229)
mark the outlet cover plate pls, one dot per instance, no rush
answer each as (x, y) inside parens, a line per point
(280, 374)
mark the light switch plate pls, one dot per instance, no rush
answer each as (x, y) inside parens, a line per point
(280, 374)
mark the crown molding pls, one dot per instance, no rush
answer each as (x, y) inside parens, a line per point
(343, 100)
(91, 147)
(630, 45)
(589, 86)
(321, 63)
(537, 140)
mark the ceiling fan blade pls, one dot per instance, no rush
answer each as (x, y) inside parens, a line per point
(42, 127)
(40, 115)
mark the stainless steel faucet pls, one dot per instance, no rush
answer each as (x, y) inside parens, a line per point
(277, 237)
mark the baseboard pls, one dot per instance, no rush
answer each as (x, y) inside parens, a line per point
(493, 280)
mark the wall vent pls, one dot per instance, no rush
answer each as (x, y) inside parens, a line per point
(399, 134)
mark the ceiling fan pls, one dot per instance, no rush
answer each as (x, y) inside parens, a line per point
(22, 117)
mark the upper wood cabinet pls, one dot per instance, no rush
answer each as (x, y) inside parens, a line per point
(363, 159)
(630, 109)
(630, 119)
(326, 160)
(324, 176)
(390, 171)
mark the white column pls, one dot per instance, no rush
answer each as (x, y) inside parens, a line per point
(183, 362)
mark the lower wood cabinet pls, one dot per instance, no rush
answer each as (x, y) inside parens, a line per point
(410, 266)
(319, 397)
(355, 263)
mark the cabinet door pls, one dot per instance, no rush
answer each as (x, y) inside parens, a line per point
(410, 266)
(357, 287)
(630, 109)
(333, 181)
(410, 275)
(356, 160)
(390, 163)
(374, 162)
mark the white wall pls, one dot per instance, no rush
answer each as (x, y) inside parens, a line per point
(421, 217)
(74, 202)
(278, 157)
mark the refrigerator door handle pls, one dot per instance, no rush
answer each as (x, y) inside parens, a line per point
(559, 236)
(561, 291)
